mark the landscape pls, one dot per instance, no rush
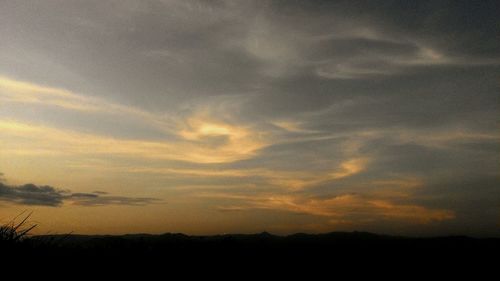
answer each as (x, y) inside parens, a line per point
(328, 132)
(337, 249)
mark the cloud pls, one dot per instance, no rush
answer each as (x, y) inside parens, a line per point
(355, 209)
(21, 92)
(38, 195)
(30, 194)
(203, 142)
(94, 199)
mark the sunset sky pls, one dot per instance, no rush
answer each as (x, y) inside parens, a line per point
(207, 117)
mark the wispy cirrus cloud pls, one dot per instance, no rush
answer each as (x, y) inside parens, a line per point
(207, 142)
(22, 92)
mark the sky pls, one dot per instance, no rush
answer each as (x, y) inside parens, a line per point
(208, 117)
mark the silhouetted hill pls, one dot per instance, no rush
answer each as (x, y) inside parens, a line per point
(342, 238)
(296, 250)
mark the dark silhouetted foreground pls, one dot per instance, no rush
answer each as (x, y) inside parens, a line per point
(295, 251)
(331, 248)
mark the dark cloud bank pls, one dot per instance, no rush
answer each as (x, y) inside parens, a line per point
(45, 195)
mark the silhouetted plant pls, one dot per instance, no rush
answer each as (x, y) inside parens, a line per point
(14, 232)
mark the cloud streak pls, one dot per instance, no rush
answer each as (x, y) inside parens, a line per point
(207, 143)
(353, 209)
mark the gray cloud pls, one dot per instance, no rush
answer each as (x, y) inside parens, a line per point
(93, 199)
(30, 194)
(268, 50)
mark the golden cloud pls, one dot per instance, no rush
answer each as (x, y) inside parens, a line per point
(346, 208)
(24, 138)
